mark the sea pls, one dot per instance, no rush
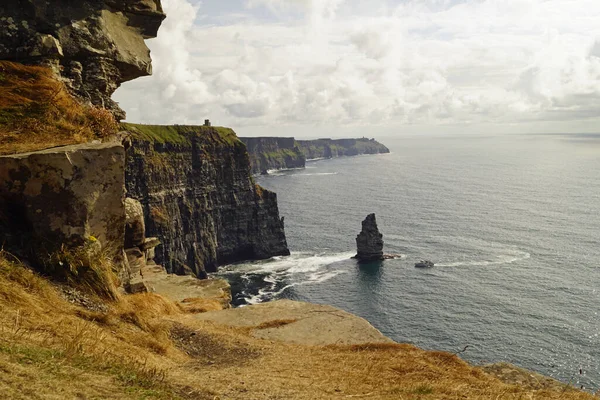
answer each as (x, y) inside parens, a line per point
(512, 223)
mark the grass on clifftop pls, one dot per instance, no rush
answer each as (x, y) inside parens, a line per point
(145, 347)
(181, 134)
(37, 112)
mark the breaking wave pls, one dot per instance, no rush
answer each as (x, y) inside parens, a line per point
(262, 281)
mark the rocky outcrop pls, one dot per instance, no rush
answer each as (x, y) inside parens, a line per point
(297, 322)
(369, 242)
(331, 148)
(270, 153)
(63, 196)
(93, 45)
(199, 198)
(135, 227)
(191, 294)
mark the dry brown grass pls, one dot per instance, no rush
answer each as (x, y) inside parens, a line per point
(37, 112)
(87, 267)
(197, 305)
(275, 323)
(144, 346)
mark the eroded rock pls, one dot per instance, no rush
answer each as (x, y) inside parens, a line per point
(66, 195)
(93, 45)
(369, 242)
(298, 322)
(200, 199)
(135, 228)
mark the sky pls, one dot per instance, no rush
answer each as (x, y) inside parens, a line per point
(333, 68)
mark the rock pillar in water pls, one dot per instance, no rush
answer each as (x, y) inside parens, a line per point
(369, 242)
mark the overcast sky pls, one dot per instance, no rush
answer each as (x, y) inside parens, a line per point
(312, 68)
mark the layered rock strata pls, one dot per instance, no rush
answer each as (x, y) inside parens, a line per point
(331, 148)
(301, 323)
(271, 153)
(369, 242)
(275, 153)
(199, 198)
(93, 45)
(63, 196)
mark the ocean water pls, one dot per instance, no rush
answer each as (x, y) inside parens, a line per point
(512, 223)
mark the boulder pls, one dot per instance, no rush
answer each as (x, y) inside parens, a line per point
(136, 259)
(369, 242)
(69, 195)
(135, 229)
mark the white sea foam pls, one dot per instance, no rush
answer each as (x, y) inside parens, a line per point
(498, 260)
(281, 273)
(316, 174)
(297, 262)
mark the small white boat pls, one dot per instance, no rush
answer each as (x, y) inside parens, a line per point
(424, 264)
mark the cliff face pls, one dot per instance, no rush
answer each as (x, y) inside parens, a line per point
(199, 198)
(267, 153)
(64, 197)
(93, 45)
(331, 148)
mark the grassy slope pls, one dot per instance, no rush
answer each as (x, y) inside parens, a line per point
(144, 347)
(37, 112)
(180, 134)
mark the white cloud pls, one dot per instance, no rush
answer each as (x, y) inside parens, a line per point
(415, 63)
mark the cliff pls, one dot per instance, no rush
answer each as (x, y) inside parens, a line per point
(93, 45)
(331, 148)
(200, 200)
(268, 153)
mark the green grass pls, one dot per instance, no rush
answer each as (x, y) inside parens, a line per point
(182, 134)
(157, 133)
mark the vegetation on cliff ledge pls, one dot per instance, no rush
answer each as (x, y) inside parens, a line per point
(60, 344)
(37, 112)
(181, 134)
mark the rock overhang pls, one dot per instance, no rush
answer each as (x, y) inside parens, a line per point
(93, 45)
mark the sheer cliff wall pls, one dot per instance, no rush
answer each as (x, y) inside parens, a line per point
(93, 45)
(268, 153)
(200, 200)
(331, 148)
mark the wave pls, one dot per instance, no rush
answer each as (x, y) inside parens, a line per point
(500, 259)
(290, 172)
(316, 174)
(278, 274)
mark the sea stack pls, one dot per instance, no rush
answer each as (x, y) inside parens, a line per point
(369, 242)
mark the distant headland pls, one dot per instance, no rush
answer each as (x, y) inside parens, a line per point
(272, 153)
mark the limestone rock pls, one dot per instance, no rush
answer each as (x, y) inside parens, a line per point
(65, 195)
(149, 244)
(297, 322)
(135, 228)
(192, 294)
(332, 148)
(137, 285)
(369, 242)
(94, 45)
(136, 259)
